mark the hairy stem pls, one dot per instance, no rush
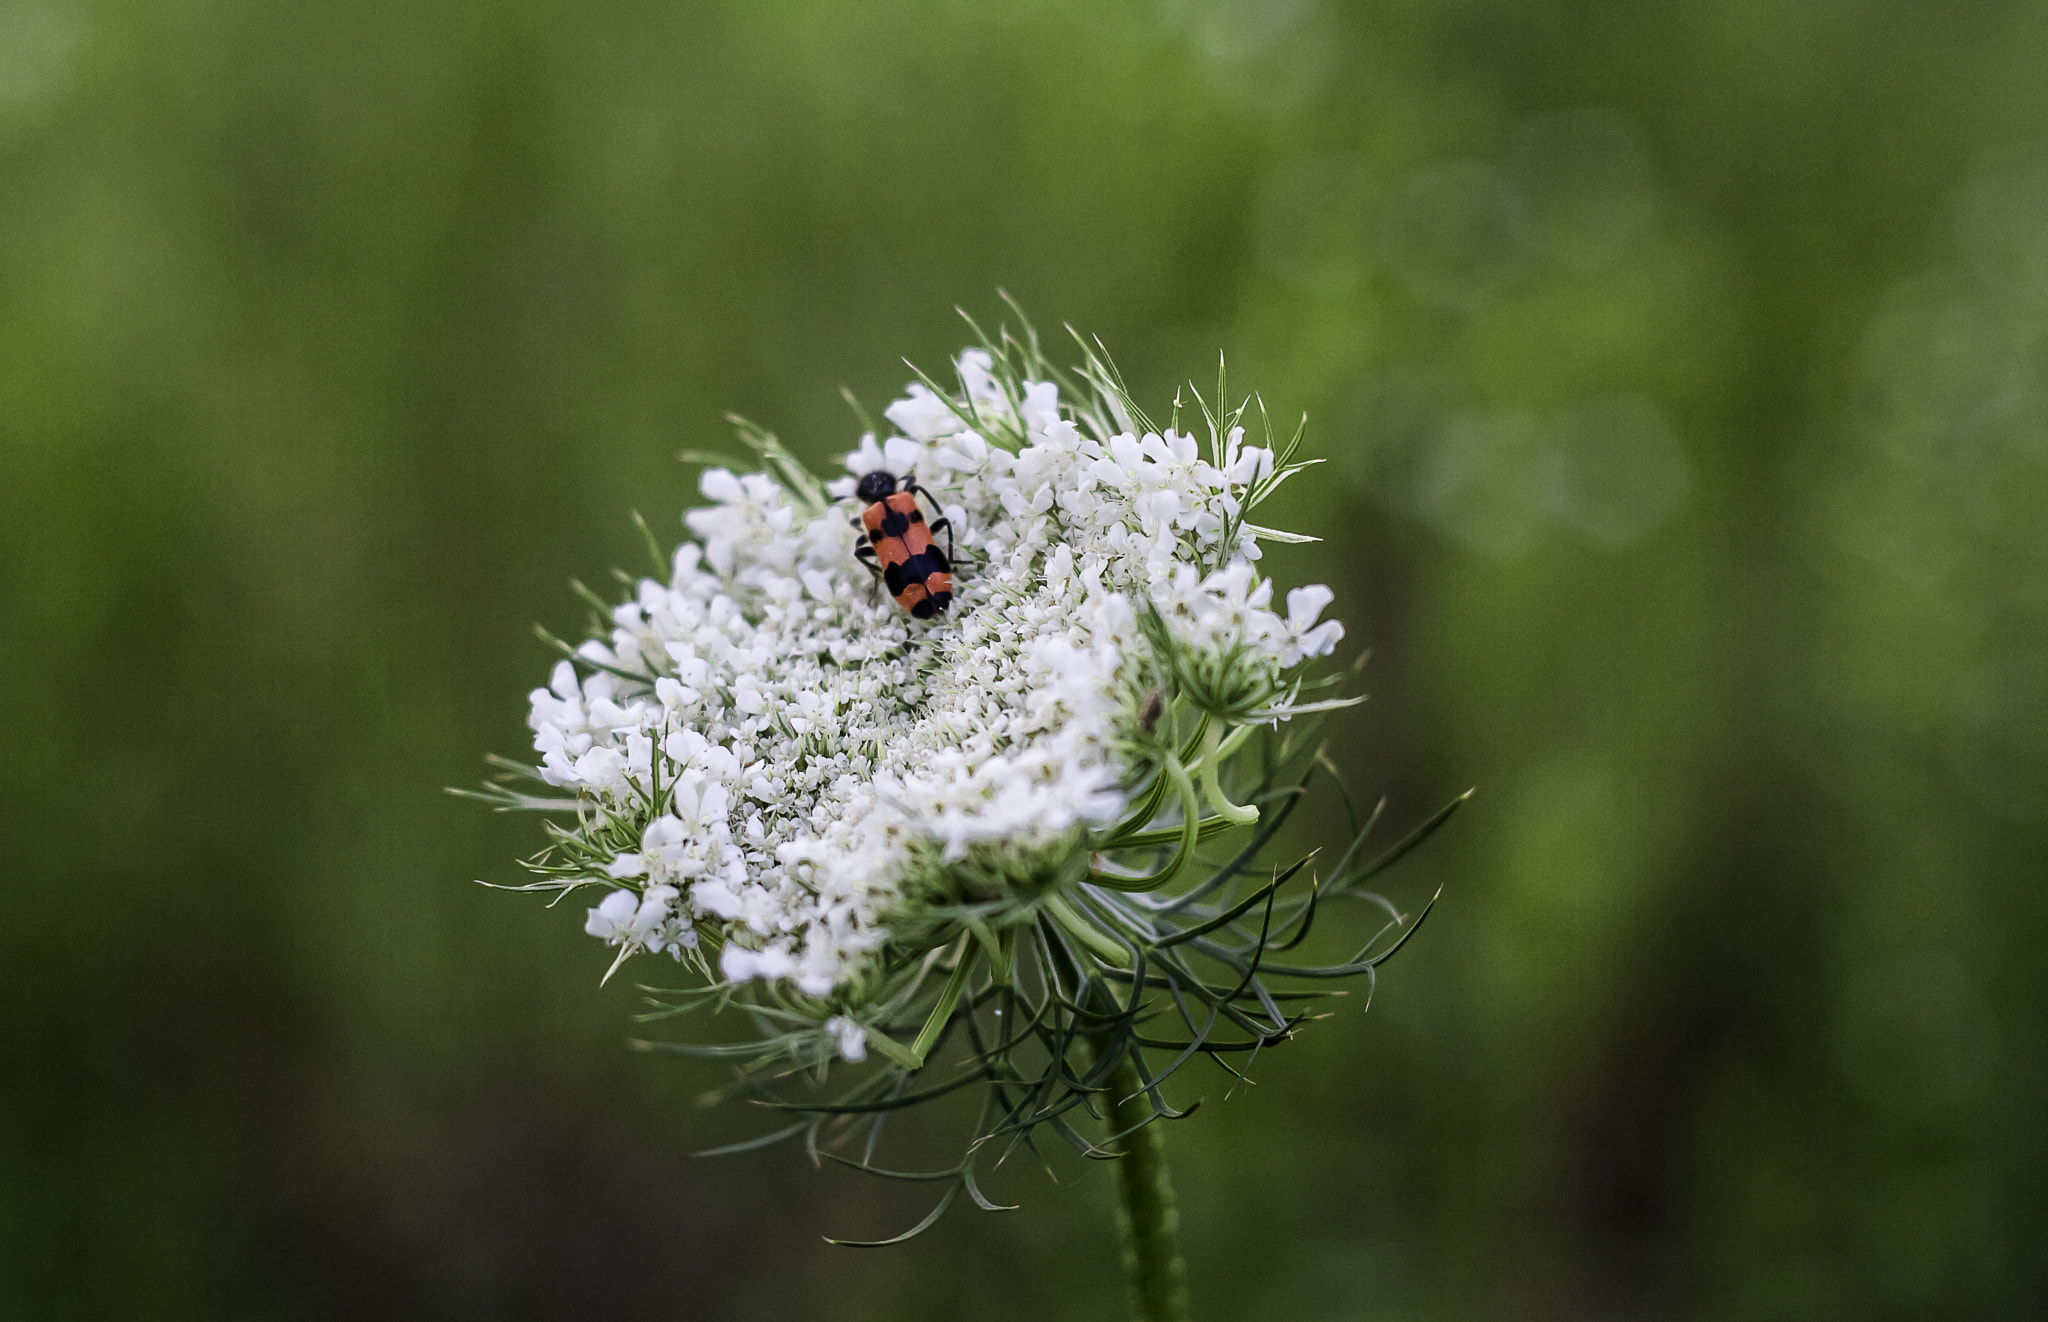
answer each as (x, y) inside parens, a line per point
(1145, 1210)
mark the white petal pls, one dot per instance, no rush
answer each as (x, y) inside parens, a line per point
(866, 459)
(1304, 604)
(720, 485)
(902, 455)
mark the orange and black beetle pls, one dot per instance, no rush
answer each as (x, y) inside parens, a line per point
(899, 547)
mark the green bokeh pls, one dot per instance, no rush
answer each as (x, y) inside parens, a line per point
(1683, 371)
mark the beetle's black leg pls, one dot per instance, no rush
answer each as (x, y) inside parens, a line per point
(865, 553)
(941, 524)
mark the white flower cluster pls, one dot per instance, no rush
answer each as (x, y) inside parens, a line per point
(782, 736)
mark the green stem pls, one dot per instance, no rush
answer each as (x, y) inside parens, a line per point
(949, 997)
(1145, 1210)
(1212, 780)
(1087, 933)
(1190, 830)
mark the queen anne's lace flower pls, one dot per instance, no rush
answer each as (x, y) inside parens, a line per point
(1002, 846)
(770, 754)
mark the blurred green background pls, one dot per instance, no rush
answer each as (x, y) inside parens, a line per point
(1683, 371)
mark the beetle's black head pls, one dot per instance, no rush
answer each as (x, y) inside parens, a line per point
(876, 485)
